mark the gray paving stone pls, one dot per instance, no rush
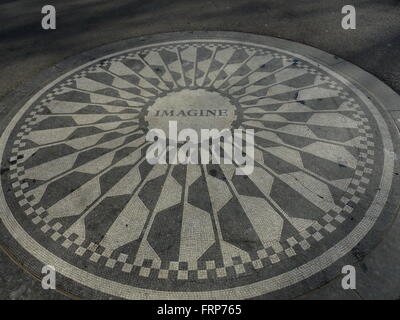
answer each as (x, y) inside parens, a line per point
(331, 291)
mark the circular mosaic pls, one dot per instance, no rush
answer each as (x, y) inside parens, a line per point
(79, 194)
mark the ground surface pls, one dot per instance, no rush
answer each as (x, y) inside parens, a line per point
(26, 50)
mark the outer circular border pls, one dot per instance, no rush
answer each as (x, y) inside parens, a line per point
(346, 198)
(382, 95)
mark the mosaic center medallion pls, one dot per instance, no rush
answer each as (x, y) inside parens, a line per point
(194, 109)
(80, 195)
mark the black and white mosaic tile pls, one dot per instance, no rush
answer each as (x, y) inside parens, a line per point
(79, 194)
